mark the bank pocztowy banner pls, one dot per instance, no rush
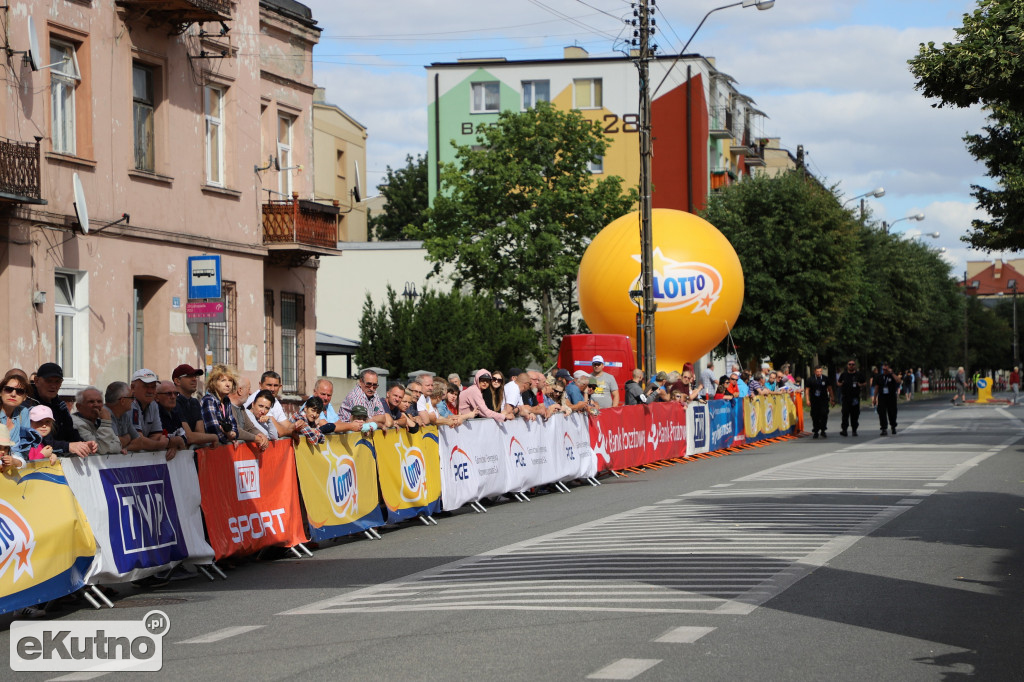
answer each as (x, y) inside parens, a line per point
(47, 548)
(409, 471)
(250, 498)
(143, 509)
(338, 479)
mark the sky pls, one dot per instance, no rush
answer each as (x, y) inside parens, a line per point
(831, 75)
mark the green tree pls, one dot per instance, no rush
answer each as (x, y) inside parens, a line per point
(989, 338)
(985, 65)
(516, 212)
(405, 190)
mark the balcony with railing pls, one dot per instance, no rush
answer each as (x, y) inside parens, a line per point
(295, 229)
(720, 127)
(19, 172)
(181, 11)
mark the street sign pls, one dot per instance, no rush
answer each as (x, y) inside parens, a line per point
(203, 277)
(204, 311)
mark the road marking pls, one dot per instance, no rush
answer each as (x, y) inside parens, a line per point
(218, 635)
(684, 635)
(933, 464)
(909, 500)
(624, 669)
(721, 485)
(935, 485)
(72, 677)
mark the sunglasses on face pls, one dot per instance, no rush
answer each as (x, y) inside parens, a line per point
(484, 380)
(16, 390)
(369, 385)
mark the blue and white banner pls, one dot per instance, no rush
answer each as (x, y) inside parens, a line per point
(143, 510)
(722, 423)
(697, 422)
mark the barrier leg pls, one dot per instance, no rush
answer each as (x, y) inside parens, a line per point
(431, 519)
(296, 552)
(369, 535)
(305, 549)
(99, 595)
(88, 598)
(423, 521)
(376, 534)
(563, 487)
(216, 569)
(202, 569)
(593, 481)
(477, 507)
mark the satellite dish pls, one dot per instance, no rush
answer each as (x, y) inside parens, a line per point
(81, 210)
(33, 45)
(356, 191)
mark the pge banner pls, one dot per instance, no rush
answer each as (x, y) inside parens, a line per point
(409, 471)
(666, 431)
(338, 479)
(143, 509)
(47, 548)
(697, 420)
(250, 498)
(474, 462)
(722, 423)
(618, 436)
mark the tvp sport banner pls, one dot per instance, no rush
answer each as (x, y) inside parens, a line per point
(47, 548)
(143, 509)
(338, 479)
(409, 471)
(250, 498)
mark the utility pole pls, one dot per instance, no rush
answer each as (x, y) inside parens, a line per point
(646, 203)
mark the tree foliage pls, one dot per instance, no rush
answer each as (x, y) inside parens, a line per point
(405, 190)
(516, 211)
(985, 65)
(442, 333)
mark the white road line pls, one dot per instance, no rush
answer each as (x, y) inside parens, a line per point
(721, 485)
(218, 635)
(684, 635)
(624, 669)
(71, 677)
(935, 485)
(909, 500)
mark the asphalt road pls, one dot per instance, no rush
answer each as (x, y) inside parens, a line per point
(862, 558)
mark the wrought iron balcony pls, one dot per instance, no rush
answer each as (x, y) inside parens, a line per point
(295, 229)
(181, 11)
(19, 172)
(720, 127)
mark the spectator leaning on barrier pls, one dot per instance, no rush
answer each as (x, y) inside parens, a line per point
(118, 398)
(397, 406)
(443, 412)
(145, 411)
(258, 415)
(456, 381)
(8, 461)
(175, 427)
(324, 389)
(95, 422)
(635, 394)
(186, 383)
(305, 422)
(575, 391)
(247, 431)
(14, 414)
(271, 381)
(365, 394)
(471, 400)
(514, 390)
(45, 391)
(451, 398)
(426, 390)
(216, 404)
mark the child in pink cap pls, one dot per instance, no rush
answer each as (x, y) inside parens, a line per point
(42, 429)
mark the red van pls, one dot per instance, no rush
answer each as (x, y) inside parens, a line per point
(578, 350)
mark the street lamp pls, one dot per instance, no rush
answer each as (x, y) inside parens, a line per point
(410, 292)
(646, 200)
(917, 234)
(878, 193)
(913, 216)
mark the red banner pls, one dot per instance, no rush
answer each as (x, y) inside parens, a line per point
(666, 431)
(250, 499)
(619, 437)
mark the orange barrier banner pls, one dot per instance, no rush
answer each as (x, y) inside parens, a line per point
(250, 498)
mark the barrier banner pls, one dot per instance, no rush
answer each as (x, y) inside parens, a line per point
(573, 432)
(722, 423)
(666, 431)
(338, 480)
(47, 548)
(753, 411)
(697, 421)
(143, 509)
(618, 436)
(409, 471)
(543, 452)
(250, 498)
(476, 464)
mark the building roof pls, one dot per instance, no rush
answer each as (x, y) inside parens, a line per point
(330, 344)
(994, 280)
(293, 10)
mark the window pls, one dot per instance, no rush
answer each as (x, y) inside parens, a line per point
(586, 93)
(224, 335)
(293, 311)
(64, 79)
(268, 329)
(535, 91)
(71, 321)
(284, 154)
(596, 166)
(486, 98)
(214, 106)
(142, 117)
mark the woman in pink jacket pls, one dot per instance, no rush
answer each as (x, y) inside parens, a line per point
(472, 398)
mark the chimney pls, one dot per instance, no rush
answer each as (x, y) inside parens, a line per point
(575, 52)
(997, 269)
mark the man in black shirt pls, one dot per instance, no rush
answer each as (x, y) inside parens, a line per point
(45, 391)
(819, 395)
(885, 398)
(850, 382)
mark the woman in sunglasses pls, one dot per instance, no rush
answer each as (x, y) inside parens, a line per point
(473, 397)
(14, 412)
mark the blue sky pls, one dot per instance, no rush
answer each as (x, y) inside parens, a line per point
(831, 76)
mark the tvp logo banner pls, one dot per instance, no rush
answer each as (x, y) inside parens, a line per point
(250, 498)
(144, 510)
(338, 479)
(666, 431)
(698, 419)
(409, 470)
(47, 548)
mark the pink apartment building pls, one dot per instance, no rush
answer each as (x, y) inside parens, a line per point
(189, 126)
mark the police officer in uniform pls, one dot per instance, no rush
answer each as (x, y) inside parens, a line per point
(819, 395)
(849, 384)
(885, 398)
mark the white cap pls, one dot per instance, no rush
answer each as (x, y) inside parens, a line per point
(597, 358)
(146, 376)
(578, 374)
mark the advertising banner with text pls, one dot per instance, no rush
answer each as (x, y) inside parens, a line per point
(666, 431)
(409, 471)
(618, 436)
(698, 427)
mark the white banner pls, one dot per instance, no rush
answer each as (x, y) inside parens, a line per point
(698, 421)
(483, 458)
(143, 510)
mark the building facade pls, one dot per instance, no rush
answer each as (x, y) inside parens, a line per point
(706, 133)
(339, 159)
(184, 124)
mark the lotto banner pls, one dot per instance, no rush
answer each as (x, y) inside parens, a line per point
(250, 498)
(667, 433)
(697, 421)
(409, 471)
(722, 423)
(618, 436)
(47, 548)
(752, 418)
(338, 480)
(143, 510)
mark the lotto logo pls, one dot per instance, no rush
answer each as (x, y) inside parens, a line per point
(247, 479)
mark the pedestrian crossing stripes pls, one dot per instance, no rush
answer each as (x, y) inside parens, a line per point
(683, 558)
(869, 464)
(806, 492)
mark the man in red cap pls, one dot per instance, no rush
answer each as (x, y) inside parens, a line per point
(186, 380)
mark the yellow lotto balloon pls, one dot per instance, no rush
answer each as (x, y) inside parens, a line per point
(698, 284)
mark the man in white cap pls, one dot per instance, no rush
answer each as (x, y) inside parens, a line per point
(606, 394)
(145, 411)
